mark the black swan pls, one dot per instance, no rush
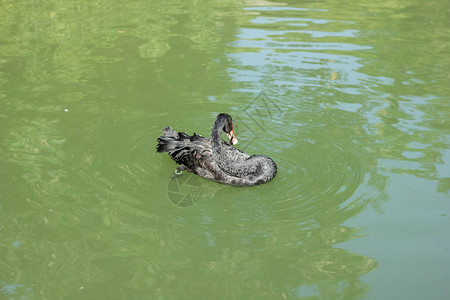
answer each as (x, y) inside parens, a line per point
(214, 159)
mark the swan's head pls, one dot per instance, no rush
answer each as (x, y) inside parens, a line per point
(228, 127)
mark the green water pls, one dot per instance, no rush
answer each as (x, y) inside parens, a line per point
(351, 99)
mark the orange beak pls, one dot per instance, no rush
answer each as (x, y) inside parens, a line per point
(232, 137)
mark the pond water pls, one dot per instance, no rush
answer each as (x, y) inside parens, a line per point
(351, 100)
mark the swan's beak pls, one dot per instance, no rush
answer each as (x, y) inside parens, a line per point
(232, 137)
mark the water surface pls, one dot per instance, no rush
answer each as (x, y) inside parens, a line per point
(350, 99)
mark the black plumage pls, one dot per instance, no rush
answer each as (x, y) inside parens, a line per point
(214, 159)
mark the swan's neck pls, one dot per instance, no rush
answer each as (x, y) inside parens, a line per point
(216, 142)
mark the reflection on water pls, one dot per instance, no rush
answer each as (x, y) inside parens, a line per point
(334, 95)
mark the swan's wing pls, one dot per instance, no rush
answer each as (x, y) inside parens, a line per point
(235, 162)
(207, 166)
(234, 154)
(200, 160)
(193, 148)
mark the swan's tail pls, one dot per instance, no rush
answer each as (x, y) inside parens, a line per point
(171, 140)
(181, 147)
(175, 142)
